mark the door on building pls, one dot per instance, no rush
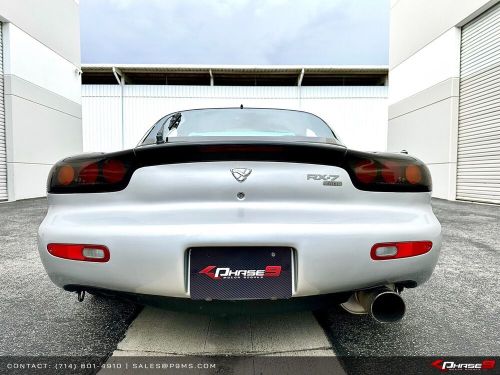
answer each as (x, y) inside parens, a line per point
(478, 169)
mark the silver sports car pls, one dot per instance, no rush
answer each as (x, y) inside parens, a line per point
(241, 209)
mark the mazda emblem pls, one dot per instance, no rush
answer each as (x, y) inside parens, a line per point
(241, 174)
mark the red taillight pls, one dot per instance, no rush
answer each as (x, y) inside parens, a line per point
(395, 250)
(87, 253)
(391, 172)
(386, 172)
(113, 171)
(413, 174)
(65, 175)
(247, 149)
(91, 174)
(366, 171)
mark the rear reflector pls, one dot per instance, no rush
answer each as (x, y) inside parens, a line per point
(386, 251)
(395, 250)
(86, 253)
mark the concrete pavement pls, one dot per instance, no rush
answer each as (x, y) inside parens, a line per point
(172, 333)
(38, 318)
(250, 344)
(455, 313)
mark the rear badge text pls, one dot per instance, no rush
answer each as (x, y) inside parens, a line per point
(327, 179)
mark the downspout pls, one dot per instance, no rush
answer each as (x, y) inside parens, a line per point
(121, 81)
(299, 85)
(211, 77)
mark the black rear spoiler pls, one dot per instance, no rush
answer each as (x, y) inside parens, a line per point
(249, 150)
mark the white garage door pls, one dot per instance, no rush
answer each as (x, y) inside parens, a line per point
(478, 176)
(3, 153)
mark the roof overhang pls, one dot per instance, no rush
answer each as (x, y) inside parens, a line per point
(237, 75)
(165, 68)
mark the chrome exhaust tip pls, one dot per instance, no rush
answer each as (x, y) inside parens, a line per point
(383, 304)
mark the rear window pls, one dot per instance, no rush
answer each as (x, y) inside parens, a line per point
(236, 122)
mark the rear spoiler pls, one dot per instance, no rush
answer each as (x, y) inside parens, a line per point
(112, 172)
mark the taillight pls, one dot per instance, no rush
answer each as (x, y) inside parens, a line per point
(366, 171)
(113, 171)
(86, 253)
(89, 173)
(92, 174)
(387, 172)
(65, 175)
(395, 250)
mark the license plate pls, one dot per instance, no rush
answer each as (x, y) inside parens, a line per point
(239, 273)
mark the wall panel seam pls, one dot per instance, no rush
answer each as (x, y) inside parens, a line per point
(43, 105)
(43, 88)
(422, 107)
(31, 163)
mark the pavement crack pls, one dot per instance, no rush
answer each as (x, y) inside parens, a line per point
(234, 353)
(207, 334)
(251, 333)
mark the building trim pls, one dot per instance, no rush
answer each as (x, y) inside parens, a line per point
(443, 90)
(237, 75)
(18, 86)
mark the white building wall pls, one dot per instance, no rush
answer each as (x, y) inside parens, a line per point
(101, 118)
(42, 90)
(424, 81)
(423, 99)
(31, 60)
(414, 24)
(54, 23)
(357, 114)
(433, 64)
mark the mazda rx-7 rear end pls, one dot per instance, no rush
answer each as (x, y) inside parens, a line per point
(217, 208)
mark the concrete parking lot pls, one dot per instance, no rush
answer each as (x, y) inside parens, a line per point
(37, 317)
(455, 313)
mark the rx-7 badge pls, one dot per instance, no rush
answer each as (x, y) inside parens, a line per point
(328, 179)
(241, 174)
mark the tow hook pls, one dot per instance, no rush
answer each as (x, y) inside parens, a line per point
(80, 295)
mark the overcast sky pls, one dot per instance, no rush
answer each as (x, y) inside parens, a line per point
(235, 31)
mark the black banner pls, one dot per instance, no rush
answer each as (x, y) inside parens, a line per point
(298, 364)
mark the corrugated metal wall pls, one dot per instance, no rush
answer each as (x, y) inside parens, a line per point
(358, 114)
(478, 177)
(3, 147)
(101, 116)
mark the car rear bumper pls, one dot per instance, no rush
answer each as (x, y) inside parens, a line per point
(151, 258)
(309, 303)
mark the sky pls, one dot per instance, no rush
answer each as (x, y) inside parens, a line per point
(334, 32)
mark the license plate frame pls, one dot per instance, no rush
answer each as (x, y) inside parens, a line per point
(240, 273)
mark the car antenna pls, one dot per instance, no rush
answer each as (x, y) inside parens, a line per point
(241, 106)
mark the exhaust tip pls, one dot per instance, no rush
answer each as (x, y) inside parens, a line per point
(388, 307)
